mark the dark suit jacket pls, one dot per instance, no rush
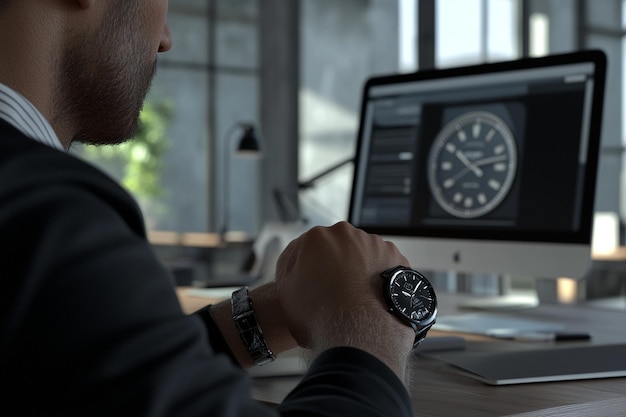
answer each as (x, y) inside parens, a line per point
(90, 324)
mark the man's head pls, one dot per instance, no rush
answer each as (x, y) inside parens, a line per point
(86, 64)
(107, 69)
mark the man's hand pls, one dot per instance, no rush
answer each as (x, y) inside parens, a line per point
(331, 292)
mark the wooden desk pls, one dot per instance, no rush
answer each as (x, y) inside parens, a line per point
(190, 303)
(439, 390)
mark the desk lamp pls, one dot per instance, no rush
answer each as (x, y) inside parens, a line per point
(288, 211)
(311, 181)
(248, 146)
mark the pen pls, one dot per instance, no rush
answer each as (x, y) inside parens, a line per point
(550, 337)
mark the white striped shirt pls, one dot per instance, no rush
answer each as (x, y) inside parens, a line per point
(21, 114)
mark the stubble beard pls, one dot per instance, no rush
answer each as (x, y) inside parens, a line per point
(106, 76)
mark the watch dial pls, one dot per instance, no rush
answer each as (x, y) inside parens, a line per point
(472, 164)
(412, 295)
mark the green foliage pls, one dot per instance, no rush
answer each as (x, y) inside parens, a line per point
(137, 163)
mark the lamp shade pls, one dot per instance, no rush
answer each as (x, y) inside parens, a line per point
(249, 143)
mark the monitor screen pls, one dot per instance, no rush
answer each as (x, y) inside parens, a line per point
(488, 168)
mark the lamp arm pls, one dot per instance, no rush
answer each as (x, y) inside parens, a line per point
(225, 191)
(227, 155)
(311, 182)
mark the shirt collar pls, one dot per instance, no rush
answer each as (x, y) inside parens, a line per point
(21, 114)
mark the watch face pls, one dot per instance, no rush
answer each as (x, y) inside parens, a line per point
(472, 164)
(412, 296)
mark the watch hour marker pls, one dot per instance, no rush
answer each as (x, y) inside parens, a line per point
(446, 166)
(499, 149)
(468, 203)
(490, 135)
(450, 147)
(482, 198)
(462, 136)
(458, 197)
(449, 183)
(494, 184)
(499, 167)
(476, 129)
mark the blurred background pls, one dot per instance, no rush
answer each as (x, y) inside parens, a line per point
(294, 69)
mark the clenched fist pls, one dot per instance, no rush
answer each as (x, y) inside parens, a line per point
(331, 291)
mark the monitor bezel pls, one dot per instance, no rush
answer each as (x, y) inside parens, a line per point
(583, 235)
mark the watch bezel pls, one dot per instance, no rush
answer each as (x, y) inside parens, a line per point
(445, 136)
(418, 325)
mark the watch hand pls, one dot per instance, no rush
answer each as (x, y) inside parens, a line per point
(473, 166)
(407, 294)
(458, 175)
(491, 160)
(468, 164)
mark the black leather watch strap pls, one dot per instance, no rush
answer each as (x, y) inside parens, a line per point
(248, 327)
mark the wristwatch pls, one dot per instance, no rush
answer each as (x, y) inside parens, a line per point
(248, 327)
(411, 298)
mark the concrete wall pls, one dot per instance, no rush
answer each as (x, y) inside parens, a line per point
(343, 43)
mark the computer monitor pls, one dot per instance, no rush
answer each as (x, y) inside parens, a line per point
(484, 169)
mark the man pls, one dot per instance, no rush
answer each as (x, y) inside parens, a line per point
(89, 320)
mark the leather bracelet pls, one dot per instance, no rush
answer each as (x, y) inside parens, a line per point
(248, 327)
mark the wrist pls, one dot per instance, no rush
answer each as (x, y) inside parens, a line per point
(372, 330)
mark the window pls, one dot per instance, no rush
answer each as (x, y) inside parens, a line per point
(342, 44)
(475, 31)
(204, 87)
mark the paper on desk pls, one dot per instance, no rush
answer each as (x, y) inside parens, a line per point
(498, 325)
(607, 408)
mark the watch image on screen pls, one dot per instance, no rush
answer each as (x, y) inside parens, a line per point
(472, 164)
